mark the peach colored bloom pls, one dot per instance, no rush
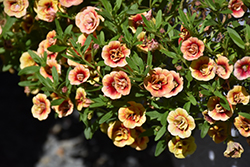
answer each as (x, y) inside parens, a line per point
(64, 109)
(50, 39)
(238, 95)
(69, 3)
(209, 119)
(216, 111)
(116, 84)
(46, 9)
(238, 8)
(242, 68)
(182, 147)
(223, 69)
(115, 53)
(132, 116)
(147, 44)
(219, 132)
(136, 20)
(234, 150)
(26, 60)
(203, 68)
(178, 85)
(243, 125)
(184, 35)
(81, 99)
(192, 48)
(41, 107)
(1, 30)
(88, 20)
(78, 75)
(180, 123)
(120, 135)
(140, 143)
(17, 8)
(47, 70)
(159, 82)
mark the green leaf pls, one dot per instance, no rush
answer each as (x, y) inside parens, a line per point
(246, 115)
(160, 133)
(132, 64)
(206, 92)
(106, 5)
(118, 4)
(247, 32)
(138, 61)
(189, 77)
(28, 83)
(87, 43)
(211, 4)
(146, 22)
(35, 57)
(135, 11)
(10, 22)
(164, 118)
(168, 53)
(68, 30)
(227, 11)
(160, 147)
(158, 19)
(236, 38)
(183, 17)
(105, 117)
(153, 114)
(204, 129)
(44, 82)
(58, 28)
(192, 99)
(149, 59)
(55, 76)
(57, 102)
(29, 70)
(187, 106)
(102, 37)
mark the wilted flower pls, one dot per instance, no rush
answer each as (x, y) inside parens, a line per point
(223, 69)
(136, 20)
(234, 150)
(243, 125)
(180, 123)
(69, 3)
(78, 75)
(132, 116)
(147, 44)
(159, 82)
(178, 84)
(27, 23)
(219, 132)
(116, 84)
(120, 135)
(46, 9)
(216, 111)
(238, 8)
(192, 48)
(182, 147)
(41, 107)
(26, 60)
(238, 95)
(184, 35)
(88, 20)
(203, 68)
(115, 53)
(81, 99)
(242, 68)
(140, 143)
(47, 70)
(64, 109)
(17, 8)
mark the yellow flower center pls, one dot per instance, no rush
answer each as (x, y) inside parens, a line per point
(116, 54)
(181, 123)
(80, 77)
(121, 83)
(237, 6)
(205, 69)
(158, 80)
(121, 134)
(193, 48)
(219, 108)
(238, 98)
(16, 6)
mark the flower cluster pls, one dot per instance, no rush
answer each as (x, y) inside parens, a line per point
(134, 71)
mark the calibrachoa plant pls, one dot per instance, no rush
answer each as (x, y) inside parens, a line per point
(139, 71)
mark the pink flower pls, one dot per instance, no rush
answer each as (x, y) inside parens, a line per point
(180, 123)
(192, 48)
(136, 20)
(81, 99)
(88, 20)
(159, 82)
(69, 3)
(216, 111)
(242, 68)
(238, 8)
(238, 95)
(132, 116)
(78, 75)
(203, 68)
(41, 107)
(223, 69)
(178, 85)
(115, 53)
(17, 8)
(116, 84)
(64, 109)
